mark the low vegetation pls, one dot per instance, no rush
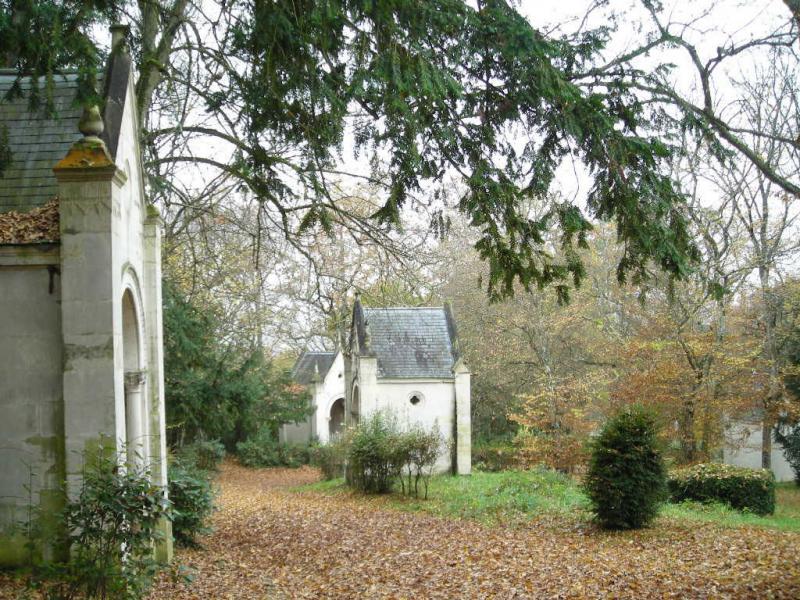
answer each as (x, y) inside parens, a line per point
(192, 496)
(743, 489)
(109, 530)
(377, 456)
(517, 497)
(262, 450)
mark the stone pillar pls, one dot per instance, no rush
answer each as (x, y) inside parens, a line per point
(367, 386)
(463, 439)
(88, 189)
(155, 407)
(135, 427)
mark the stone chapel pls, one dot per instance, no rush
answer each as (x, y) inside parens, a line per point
(81, 362)
(404, 361)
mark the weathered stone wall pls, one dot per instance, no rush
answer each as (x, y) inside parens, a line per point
(31, 400)
(436, 408)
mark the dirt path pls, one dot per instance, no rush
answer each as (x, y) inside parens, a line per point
(270, 542)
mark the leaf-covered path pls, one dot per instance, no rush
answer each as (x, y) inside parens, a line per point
(270, 542)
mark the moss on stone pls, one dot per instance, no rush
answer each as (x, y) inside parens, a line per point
(14, 549)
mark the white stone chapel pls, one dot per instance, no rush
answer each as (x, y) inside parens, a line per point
(403, 361)
(81, 362)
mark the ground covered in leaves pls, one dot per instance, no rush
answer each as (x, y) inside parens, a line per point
(270, 541)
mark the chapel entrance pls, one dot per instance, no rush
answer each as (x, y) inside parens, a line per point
(336, 420)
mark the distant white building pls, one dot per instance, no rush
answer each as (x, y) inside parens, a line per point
(401, 361)
(323, 374)
(743, 449)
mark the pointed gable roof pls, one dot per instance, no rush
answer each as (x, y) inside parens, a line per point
(408, 342)
(310, 364)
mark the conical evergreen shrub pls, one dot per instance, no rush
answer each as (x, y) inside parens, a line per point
(626, 480)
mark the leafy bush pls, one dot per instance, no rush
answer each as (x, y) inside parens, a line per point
(204, 455)
(376, 455)
(192, 497)
(261, 450)
(330, 458)
(741, 488)
(419, 450)
(626, 477)
(109, 528)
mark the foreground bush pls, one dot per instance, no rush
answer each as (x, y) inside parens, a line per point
(206, 455)
(626, 477)
(378, 454)
(741, 488)
(375, 455)
(330, 458)
(262, 450)
(192, 497)
(110, 529)
(420, 449)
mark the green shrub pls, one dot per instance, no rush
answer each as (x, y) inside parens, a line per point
(192, 497)
(330, 458)
(109, 528)
(788, 436)
(626, 477)
(741, 488)
(419, 450)
(261, 450)
(204, 455)
(294, 455)
(378, 454)
(494, 456)
(375, 455)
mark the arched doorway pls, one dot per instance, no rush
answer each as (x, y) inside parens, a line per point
(336, 418)
(135, 414)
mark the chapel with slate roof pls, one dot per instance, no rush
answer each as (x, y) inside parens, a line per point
(403, 361)
(81, 353)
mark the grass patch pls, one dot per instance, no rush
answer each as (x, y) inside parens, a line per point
(786, 517)
(513, 497)
(506, 496)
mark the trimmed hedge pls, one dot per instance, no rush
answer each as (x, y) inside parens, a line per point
(740, 487)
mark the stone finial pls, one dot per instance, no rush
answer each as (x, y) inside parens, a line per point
(91, 124)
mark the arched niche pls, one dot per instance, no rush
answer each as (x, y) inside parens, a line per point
(136, 426)
(336, 418)
(355, 405)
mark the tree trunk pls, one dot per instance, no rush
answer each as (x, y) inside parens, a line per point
(766, 444)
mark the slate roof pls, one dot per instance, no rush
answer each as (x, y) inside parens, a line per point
(408, 342)
(37, 142)
(311, 362)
